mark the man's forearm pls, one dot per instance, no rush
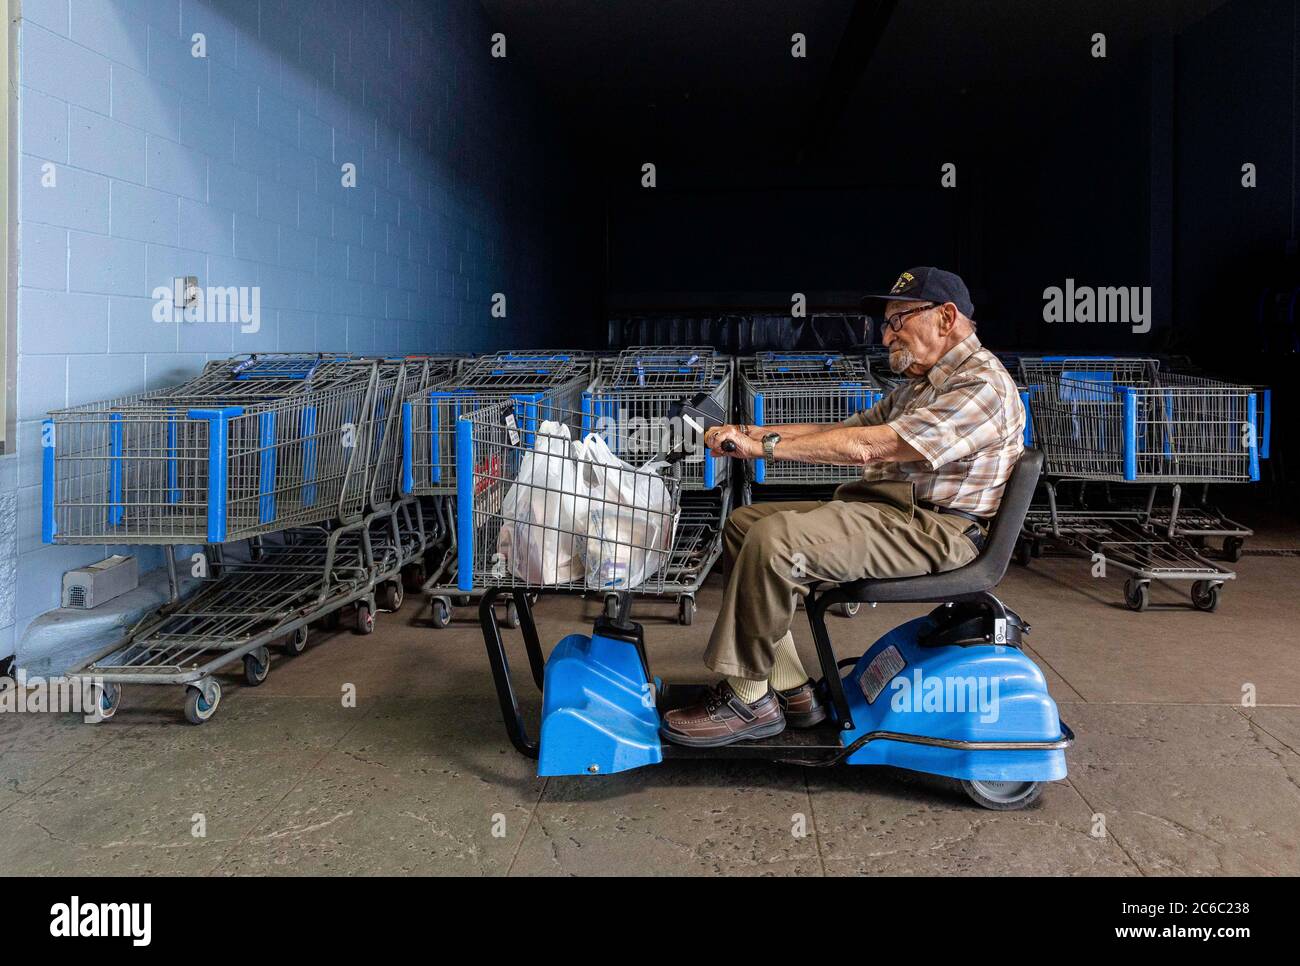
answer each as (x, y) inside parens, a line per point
(847, 446)
(796, 430)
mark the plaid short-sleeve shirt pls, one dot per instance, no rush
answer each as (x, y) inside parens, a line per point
(965, 418)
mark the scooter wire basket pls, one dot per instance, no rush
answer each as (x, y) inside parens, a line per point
(1123, 420)
(540, 509)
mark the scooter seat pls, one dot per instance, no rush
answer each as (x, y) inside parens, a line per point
(978, 576)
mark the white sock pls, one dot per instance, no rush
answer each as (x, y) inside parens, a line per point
(748, 691)
(787, 670)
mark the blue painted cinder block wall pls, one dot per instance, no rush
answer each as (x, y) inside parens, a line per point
(140, 162)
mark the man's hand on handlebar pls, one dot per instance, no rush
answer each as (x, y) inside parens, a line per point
(742, 446)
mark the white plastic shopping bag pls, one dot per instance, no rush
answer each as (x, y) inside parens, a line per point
(631, 520)
(544, 512)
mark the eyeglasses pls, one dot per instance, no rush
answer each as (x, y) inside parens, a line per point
(895, 321)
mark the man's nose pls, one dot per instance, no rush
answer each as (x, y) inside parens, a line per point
(887, 335)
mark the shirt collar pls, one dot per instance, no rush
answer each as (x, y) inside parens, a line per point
(951, 360)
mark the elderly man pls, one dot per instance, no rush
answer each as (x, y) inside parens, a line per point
(936, 454)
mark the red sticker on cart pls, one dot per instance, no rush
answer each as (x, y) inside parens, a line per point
(884, 667)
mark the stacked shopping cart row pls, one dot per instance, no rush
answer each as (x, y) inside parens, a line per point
(297, 454)
(1130, 427)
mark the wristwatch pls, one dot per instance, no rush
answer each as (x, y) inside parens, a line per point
(769, 444)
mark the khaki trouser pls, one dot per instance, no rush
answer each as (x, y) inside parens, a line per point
(773, 551)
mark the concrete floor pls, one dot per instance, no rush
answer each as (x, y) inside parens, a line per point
(419, 776)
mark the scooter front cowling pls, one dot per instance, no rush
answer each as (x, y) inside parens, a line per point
(959, 697)
(598, 709)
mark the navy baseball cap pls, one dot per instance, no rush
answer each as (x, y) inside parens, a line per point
(926, 284)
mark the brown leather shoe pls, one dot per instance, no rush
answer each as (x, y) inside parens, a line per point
(802, 706)
(721, 718)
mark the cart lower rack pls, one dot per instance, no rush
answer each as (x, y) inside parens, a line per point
(1125, 540)
(250, 606)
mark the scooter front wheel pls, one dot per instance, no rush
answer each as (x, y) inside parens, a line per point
(1002, 796)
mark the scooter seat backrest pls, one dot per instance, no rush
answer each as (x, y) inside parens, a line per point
(982, 573)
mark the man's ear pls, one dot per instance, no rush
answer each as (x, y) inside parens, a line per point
(949, 317)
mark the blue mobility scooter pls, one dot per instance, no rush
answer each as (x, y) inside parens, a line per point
(950, 694)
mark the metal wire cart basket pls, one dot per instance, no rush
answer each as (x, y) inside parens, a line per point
(1122, 423)
(534, 383)
(632, 401)
(550, 509)
(297, 454)
(804, 387)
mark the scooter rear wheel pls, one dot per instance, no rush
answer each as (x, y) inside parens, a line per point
(1002, 796)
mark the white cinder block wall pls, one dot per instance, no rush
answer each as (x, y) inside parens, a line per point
(141, 162)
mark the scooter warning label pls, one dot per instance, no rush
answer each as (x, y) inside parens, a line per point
(882, 669)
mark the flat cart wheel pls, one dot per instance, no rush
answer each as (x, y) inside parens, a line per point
(512, 616)
(1003, 796)
(257, 666)
(611, 606)
(464, 600)
(686, 610)
(1024, 552)
(295, 643)
(848, 608)
(440, 608)
(391, 596)
(332, 621)
(105, 699)
(197, 708)
(364, 622)
(1232, 549)
(1205, 595)
(1136, 594)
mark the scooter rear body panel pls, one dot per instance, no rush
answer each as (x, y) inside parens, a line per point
(958, 694)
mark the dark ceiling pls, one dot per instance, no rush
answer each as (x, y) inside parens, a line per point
(694, 74)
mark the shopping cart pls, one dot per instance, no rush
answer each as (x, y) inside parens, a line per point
(633, 401)
(1122, 422)
(535, 384)
(804, 387)
(250, 447)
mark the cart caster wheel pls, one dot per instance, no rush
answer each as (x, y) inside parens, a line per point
(364, 622)
(295, 643)
(1024, 552)
(849, 608)
(257, 667)
(1003, 796)
(464, 600)
(391, 596)
(1205, 595)
(1036, 548)
(440, 612)
(512, 616)
(105, 699)
(197, 708)
(1232, 549)
(413, 577)
(686, 611)
(332, 621)
(611, 606)
(1136, 595)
